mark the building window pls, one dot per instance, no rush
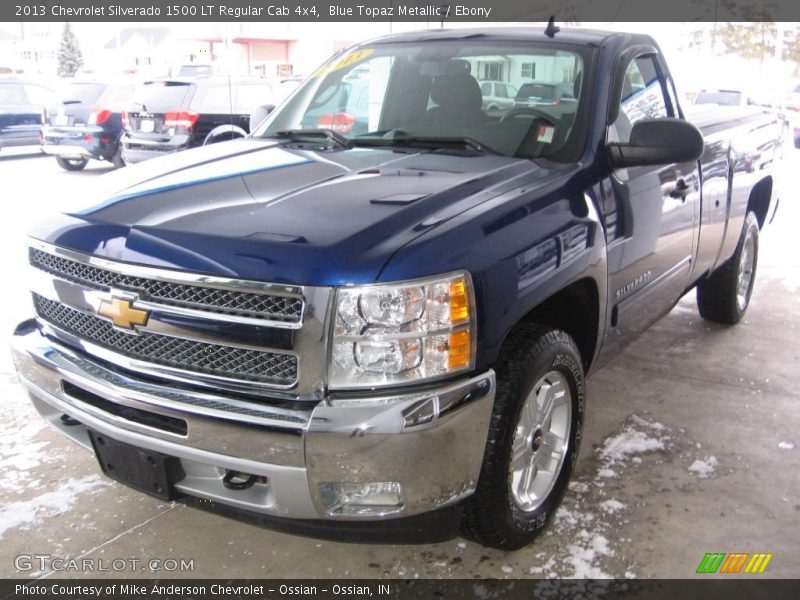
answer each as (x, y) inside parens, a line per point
(493, 71)
(528, 70)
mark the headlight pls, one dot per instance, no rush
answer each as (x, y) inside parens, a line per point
(391, 334)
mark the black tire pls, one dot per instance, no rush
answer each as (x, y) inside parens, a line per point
(493, 516)
(71, 164)
(718, 297)
(117, 158)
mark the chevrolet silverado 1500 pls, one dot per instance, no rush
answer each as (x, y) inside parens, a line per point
(380, 306)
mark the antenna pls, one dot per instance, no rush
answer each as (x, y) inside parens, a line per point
(444, 12)
(551, 30)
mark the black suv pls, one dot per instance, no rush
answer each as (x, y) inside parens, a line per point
(174, 115)
(22, 106)
(86, 122)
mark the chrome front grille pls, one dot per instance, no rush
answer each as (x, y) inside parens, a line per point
(189, 355)
(266, 306)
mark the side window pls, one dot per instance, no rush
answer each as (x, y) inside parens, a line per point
(501, 90)
(248, 96)
(486, 89)
(216, 100)
(642, 97)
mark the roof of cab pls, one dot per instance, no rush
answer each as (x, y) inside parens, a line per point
(530, 33)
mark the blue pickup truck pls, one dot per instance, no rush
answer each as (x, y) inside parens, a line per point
(381, 318)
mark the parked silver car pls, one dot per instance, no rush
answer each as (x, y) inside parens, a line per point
(497, 95)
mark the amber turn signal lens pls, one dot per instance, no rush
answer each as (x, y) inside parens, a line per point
(459, 350)
(459, 301)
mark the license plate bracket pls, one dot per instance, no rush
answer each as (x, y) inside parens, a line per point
(150, 472)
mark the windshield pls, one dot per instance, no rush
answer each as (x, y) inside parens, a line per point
(82, 93)
(434, 94)
(161, 96)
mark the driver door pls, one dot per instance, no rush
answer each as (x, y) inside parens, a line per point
(650, 213)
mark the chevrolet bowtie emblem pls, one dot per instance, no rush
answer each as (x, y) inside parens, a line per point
(122, 313)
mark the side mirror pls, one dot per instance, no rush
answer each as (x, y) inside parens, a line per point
(258, 114)
(658, 142)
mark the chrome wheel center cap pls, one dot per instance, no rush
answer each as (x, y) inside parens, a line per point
(536, 442)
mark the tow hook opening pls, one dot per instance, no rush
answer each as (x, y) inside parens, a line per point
(234, 480)
(68, 421)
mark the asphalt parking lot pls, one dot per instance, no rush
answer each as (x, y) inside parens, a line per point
(692, 445)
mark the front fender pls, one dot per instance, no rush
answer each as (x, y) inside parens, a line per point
(521, 249)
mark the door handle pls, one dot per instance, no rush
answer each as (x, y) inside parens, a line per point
(681, 190)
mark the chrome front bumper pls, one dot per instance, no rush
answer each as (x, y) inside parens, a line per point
(294, 451)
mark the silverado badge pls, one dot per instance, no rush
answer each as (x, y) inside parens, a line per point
(122, 313)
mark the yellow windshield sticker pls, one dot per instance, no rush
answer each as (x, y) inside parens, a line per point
(348, 60)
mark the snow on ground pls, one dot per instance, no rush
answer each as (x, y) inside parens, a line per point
(28, 512)
(21, 451)
(786, 445)
(583, 556)
(26, 461)
(629, 442)
(587, 518)
(612, 506)
(704, 468)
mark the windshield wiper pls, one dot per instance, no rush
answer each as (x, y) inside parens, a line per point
(425, 140)
(299, 134)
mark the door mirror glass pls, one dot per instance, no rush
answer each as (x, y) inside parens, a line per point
(657, 142)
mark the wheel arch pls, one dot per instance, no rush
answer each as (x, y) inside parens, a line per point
(760, 198)
(227, 130)
(574, 309)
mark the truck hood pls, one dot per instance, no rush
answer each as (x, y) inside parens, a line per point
(262, 210)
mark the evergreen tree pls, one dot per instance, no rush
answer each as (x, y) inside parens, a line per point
(70, 58)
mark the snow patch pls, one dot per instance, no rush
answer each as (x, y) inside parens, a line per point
(545, 568)
(579, 487)
(618, 448)
(20, 450)
(786, 445)
(583, 557)
(612, 506)
(587, 517)
(50, 504)
(705, 468)
(607, 473)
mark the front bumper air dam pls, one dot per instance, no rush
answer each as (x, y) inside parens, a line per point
(429, 441)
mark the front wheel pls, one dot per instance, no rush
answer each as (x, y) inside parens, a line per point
(71, 164)
(534, 437)
(725, 295)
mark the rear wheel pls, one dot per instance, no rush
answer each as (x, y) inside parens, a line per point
(71, 164)
(725, 295)
(117, 158)
(533, 438)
